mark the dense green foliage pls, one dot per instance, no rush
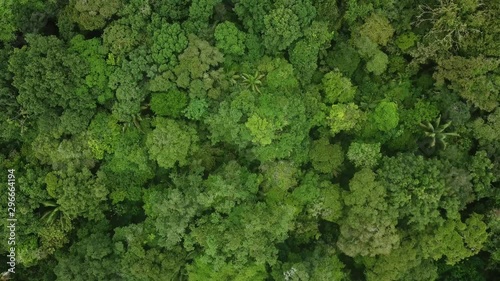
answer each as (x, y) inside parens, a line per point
(252, 140)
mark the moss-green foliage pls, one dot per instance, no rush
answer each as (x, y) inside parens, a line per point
(229, 39)
(344, 117)
(326, 158)
(343, 57)
(406, 41)
(282, 28)
(369, 226)
(386, 116)
(378, 29)
(364, 154)
(170, 142)
(462, 240)
(304, 56)
(169, 104)
(338, 88)
(168, 41)
(473, 78)
(251, 140)
(92, 15)
(49, 75)
(120, 37)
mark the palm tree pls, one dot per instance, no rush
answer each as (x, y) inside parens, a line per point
(54, 214)
(436, 132)
(251, 82)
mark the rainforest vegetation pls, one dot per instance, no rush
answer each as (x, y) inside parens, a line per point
(251, 140)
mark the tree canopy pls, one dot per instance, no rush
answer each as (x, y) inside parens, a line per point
(251, 140)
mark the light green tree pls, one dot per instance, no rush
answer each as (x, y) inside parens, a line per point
(338, 88)
(455, 240)
(364, 154)
(171, 142)
(344, 117)
(261, 130)
(369, 227)
(281, 29)
(229, 39)
(386, 116)
(93, 15)
(378, 29)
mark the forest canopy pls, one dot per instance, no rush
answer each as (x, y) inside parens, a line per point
(250, 140)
